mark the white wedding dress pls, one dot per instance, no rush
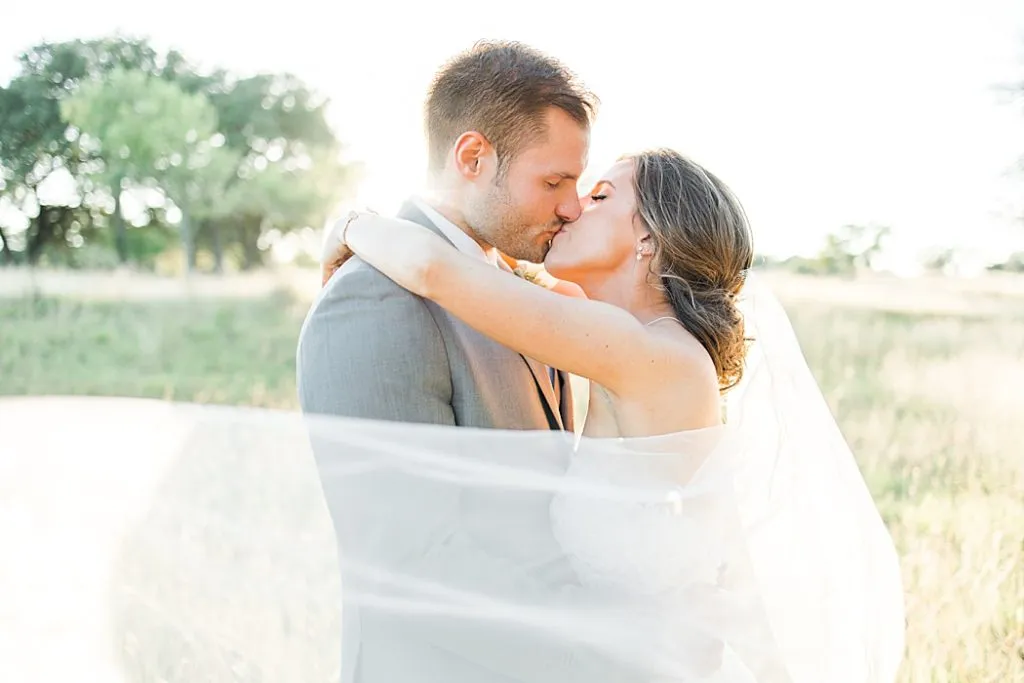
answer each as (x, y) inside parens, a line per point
(624, 544)
(652, 549)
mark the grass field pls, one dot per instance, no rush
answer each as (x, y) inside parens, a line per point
(930, 397)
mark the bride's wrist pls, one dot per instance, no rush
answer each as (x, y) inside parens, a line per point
(362, 217)
(351, 218)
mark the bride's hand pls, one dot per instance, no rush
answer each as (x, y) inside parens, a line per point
(335, 252)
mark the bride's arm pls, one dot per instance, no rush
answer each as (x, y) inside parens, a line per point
(588, 338)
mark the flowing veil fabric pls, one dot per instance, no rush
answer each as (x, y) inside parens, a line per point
(170, 542)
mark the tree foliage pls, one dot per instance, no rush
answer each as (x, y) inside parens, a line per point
(86, 126)
(847, 251)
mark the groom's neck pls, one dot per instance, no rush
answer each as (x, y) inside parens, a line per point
(450, 210)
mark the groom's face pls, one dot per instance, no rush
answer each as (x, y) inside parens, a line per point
(524, 207)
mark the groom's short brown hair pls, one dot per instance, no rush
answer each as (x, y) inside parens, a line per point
(503, 91)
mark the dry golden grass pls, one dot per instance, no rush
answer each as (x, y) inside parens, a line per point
(931, 403)
(926, 380)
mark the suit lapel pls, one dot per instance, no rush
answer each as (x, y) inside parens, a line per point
(556, 413)
(540, 375)
(565, 400)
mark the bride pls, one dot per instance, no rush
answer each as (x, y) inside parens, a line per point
(765, 559)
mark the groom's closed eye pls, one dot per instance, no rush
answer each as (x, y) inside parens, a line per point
(555, 181)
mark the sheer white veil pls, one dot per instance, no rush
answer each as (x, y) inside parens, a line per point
(826, 565)
(155, 541)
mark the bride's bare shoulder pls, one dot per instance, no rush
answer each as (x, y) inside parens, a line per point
(692, 365)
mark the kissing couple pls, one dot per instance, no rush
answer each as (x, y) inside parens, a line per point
(706, 521)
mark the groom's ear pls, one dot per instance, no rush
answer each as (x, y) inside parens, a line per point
(472, 155)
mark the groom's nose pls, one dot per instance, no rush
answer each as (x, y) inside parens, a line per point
(570, 209)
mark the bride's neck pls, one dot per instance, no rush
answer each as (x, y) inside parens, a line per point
(624, 290)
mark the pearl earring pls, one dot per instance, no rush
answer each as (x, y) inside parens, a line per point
(639, 255)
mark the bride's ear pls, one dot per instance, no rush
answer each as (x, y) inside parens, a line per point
(644, 246)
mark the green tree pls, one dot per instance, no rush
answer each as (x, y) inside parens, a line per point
(940, 261)
(273, 124)
(288, 173)
(34, 141)
(852, 248)
(108, 114)
(846, 251)
(1014, 263)
(145, 127)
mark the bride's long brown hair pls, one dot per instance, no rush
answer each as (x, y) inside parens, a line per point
(703, 250)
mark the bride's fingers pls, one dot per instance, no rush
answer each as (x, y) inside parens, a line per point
(331, 265)
(332, 243)
(326, 271)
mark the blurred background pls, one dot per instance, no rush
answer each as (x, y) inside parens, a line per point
(166, 174)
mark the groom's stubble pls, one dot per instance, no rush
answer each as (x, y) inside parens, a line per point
(497, 220)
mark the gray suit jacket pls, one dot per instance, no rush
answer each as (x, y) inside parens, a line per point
(371, 349)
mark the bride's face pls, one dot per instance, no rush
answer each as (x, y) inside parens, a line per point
(604, 239)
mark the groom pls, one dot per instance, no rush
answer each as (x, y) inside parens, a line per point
(508, 133)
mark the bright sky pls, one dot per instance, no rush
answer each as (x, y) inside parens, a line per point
(816, 113)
